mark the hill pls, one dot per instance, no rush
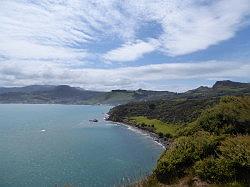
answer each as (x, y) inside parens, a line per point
(220, 88)
(206, 133)
(26, 89)
(183, 107)
(212, 148)
(62, 94)
(116, 97)
(65, 94)
(215, 147)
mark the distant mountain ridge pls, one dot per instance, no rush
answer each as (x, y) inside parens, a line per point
(183, 107)
(228, 83)
(64, 94)
(220, 88)
(27, 89)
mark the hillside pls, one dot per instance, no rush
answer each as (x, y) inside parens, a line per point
(65, 94)
(174, 111)
(206, 133)
(179, 108)
(27, 89)
(215, 148)
(212, 149)
(116, 97)
(220, 88)
(62, 94)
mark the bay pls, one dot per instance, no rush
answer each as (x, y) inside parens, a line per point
(49, 145)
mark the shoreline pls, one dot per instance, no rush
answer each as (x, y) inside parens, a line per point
(160, 141)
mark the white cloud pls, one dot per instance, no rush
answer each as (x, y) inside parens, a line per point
(188, 26)
(41, 40)
(191, 25)
(202, 27)
(27, 50)
(20, 73)
(131, 51)
(57, 29)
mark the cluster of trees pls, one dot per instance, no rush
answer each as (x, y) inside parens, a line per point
(172, 111)
(209, 131)
(215, 147)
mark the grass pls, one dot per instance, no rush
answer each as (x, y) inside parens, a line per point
(213, 149)
(159, 126)
(113, 98)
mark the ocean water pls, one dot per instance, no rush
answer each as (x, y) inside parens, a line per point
(56, 145)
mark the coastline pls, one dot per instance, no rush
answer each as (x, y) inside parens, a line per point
(165, 143)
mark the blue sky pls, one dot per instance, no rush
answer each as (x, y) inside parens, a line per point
(173, 45)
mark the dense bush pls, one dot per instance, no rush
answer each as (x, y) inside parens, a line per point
(188, 130)
(184, 152)
(211, 147)
(232, 163)
(213, 158)
(215, 147)
(173, 111)
(230, 116)
(168, 135)
(160, 134)
(214, 170)
(237, 149)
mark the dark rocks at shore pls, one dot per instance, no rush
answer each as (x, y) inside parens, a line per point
(164, 141)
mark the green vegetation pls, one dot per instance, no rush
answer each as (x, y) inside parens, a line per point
(208, 127)
(113, 97)
(171, 111)
(231, 164)
(183, 104)
(157, 126)
(215, 148)
(231, 116)
(72, 95)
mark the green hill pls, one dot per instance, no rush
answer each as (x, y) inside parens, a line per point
(213, 148)
(208, 131)
(65, 94)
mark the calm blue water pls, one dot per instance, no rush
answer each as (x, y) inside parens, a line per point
(48, 145)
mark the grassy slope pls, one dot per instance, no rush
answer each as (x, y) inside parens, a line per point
(214, 148)
(159, 126)
(210, 135)
(112, 98)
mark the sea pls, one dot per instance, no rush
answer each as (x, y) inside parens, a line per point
(57, 145)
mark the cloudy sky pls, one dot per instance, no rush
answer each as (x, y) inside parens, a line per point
(171, 45)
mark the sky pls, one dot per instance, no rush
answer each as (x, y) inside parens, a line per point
(173, 45)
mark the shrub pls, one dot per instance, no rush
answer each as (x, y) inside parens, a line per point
(188, 130)
(214, 170)
(232, 164)
(184, 152)
(160, 134)
(168, 135)
(237, 149)
(230, 116)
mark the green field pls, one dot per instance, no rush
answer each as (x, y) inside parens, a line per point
(159, 126)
